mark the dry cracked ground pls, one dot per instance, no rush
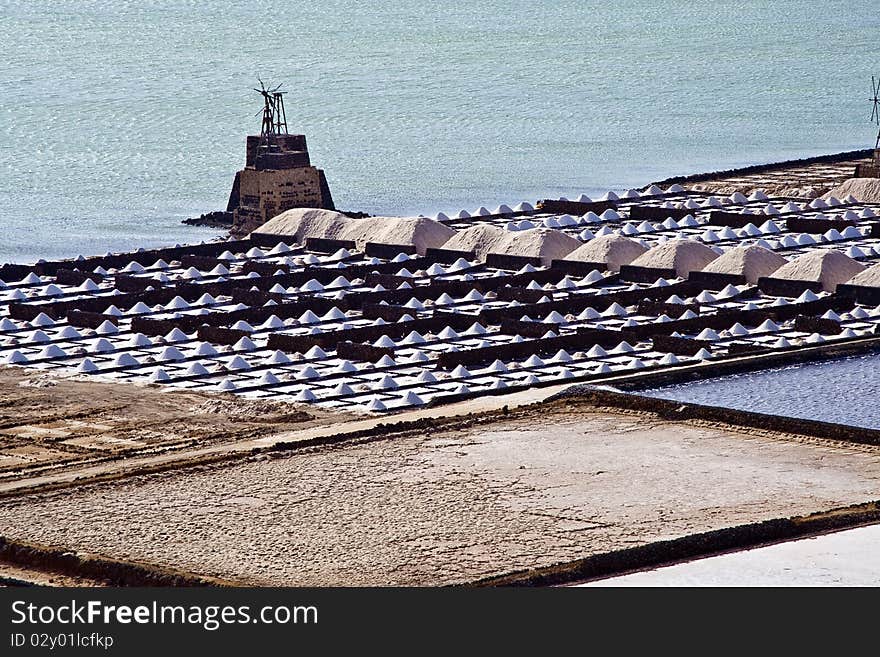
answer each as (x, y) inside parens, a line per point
(543, 486)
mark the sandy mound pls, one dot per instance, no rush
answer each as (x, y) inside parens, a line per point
(749, 261)
(545, 243)
(613, 250)
(422, 232)
(828, 267)
(306, 222)
(684, 256)
(867, 190)
(481, 239)
(869, 277)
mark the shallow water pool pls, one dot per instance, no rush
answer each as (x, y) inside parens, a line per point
(843, 391)
(847, 558)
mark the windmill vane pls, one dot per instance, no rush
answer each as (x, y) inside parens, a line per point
(875, 110)
(274, 117)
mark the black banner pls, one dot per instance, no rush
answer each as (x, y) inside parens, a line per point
(218, 621)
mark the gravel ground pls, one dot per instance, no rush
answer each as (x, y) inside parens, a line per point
(450, 507)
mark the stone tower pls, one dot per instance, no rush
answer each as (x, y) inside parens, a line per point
(277, 175)
(870, 169)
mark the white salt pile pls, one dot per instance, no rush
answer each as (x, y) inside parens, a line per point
(753, 262)
(682, 255)
(613, 250)
(302, 223)
(869, 277)
(545, 243)
(867, 190)
(828, 267)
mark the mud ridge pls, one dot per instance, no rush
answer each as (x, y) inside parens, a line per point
(109, 571)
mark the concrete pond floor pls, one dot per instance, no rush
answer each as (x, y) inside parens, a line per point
(546, 485)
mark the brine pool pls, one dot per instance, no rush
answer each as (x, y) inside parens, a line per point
(842, 391)
(847, 558)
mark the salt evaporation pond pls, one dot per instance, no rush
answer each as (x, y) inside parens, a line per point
(847, 558)
(842, 391)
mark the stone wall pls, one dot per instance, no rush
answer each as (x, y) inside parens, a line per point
(286, 142)
(264, 194)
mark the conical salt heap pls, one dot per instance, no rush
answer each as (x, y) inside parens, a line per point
(302, 223)
(613, 250)
(753, 262)
(869, 277)
(421, 232)
(828, 267)
(682, 255)
(545, 243)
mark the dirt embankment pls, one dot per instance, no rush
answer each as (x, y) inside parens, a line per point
(25, 564)
(804, 178)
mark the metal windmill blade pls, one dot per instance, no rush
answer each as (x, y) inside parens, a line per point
(875, 110)
(267, 130)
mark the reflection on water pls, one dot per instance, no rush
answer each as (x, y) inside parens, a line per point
(843, 391)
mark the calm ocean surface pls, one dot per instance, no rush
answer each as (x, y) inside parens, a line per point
(844, 391)
(121, 118)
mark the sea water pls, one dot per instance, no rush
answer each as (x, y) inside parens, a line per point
(843, 391)
(119, 119)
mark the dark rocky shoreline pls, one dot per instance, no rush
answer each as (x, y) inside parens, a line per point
(217, 219)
